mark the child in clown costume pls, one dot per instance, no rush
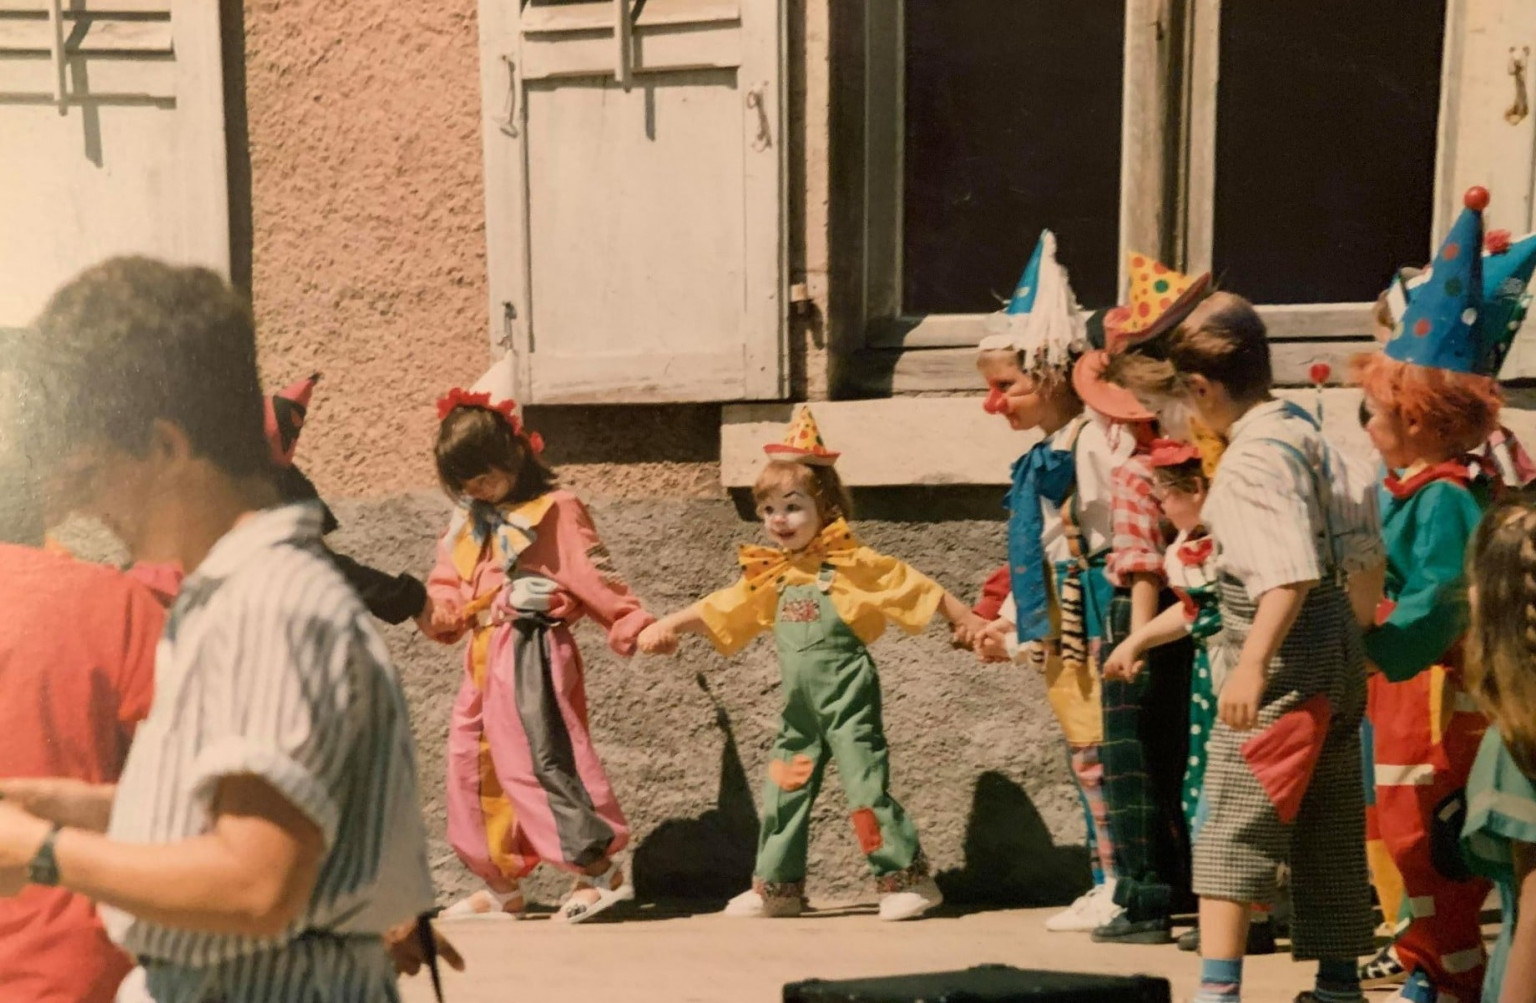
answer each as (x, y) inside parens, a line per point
(520, 564)
(1144, 714)
(1056, 595)
(825, 596)
(1430, 398)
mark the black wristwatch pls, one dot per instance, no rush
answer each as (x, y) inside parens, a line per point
(44, 868)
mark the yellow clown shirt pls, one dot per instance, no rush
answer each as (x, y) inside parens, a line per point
(867, 589)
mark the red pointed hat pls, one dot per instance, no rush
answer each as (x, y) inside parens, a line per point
(285, 418)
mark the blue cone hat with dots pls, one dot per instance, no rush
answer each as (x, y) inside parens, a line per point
(1441, 327)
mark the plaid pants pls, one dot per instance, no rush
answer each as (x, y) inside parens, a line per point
(1143, 754)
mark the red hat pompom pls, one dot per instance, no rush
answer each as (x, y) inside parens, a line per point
(1173, 453)
(1497, 242)
(1476, 198)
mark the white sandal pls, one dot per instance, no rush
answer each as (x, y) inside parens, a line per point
(487, 904)
(611, 888)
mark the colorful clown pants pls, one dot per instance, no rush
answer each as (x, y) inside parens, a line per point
(1426, 733)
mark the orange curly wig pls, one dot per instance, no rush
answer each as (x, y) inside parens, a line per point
(1458, 409)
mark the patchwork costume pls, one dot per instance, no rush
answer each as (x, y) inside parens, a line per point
(1059, 531)
(525, 784)
(1425, 729)
(1284, 508)
(825, 604)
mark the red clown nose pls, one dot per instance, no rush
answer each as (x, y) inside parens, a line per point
(996, 402)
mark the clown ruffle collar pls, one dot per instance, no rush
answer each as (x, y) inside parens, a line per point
(510, 528)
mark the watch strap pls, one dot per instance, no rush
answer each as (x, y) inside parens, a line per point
(44, 867)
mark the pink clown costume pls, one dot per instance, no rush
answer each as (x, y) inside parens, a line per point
(525, 784)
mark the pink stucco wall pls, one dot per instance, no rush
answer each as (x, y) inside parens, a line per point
(368, 247)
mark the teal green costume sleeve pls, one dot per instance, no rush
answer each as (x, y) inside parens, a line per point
(1431, 611)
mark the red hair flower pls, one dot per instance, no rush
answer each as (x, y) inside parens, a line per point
(1497, 241)
(459, 397)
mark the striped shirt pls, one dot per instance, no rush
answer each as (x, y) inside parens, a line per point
(1266, 506)
(270, 666)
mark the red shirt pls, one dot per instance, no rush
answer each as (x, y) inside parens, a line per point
(77, 660)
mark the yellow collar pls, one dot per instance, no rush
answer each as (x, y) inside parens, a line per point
(834, 545)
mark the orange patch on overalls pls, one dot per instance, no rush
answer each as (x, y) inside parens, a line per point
(867, 827)
(793, 775)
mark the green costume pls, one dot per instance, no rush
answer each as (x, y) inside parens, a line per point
(825, 604)
(831, 711)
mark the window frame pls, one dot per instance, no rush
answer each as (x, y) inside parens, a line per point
(1167, 184)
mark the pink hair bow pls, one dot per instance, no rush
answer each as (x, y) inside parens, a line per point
(459, 397)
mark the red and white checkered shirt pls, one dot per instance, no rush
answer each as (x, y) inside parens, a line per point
(1139, 537)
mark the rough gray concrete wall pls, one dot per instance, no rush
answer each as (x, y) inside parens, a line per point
(976, 755)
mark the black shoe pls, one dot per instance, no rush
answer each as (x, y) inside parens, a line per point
(1261, 939)
(1121, 930)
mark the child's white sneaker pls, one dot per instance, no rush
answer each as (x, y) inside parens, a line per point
(753, 904)
(1093, 909)
(910, 903)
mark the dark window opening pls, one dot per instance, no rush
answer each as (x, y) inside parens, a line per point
(1012, 125)
(1325, 146)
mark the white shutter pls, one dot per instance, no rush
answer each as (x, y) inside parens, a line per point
(635, 211)
(111, 140)
(1490, 59)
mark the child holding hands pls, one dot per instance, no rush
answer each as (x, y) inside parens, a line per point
(520, 564)
(826, 597)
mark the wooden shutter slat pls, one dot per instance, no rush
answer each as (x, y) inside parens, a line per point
(87, 37)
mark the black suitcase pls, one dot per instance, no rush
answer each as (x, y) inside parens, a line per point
(984, 984)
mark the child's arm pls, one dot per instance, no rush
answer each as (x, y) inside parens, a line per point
(661, 637)
(966, 625)
(1244, 688)
(586, 569)
(1520, 975)
(1125, 661)
(445, 595)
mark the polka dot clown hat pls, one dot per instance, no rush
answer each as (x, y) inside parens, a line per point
(1507, 269)
(1441, 326)
(802, 443)
(1042, 320)
(1160, 297)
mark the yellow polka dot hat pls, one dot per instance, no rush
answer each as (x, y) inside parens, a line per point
(802, 443)
(1160, 298)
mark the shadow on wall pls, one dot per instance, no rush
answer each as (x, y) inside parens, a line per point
(1010, 859)
(709, 857)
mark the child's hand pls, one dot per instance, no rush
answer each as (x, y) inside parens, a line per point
(1238, 703)
(658, 639)
(1125, 662)
(990, 645)
(441, 623)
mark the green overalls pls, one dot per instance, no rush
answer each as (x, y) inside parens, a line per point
(831, 710)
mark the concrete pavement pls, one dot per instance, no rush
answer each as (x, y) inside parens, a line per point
(656, 955)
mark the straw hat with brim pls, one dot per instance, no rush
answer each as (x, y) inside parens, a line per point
(1105, 333)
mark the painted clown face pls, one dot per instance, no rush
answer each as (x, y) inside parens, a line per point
(1012, 393)
(790, 518)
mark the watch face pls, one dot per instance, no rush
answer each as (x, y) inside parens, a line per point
(44, 868)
